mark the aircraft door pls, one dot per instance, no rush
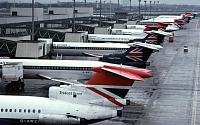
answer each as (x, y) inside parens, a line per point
(44, 50)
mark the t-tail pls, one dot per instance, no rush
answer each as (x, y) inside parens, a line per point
(163, 25)
(112, 84)
(153, 36)
(168, 27)
(137, 55)
(103, 96)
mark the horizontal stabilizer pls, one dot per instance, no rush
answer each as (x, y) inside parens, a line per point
(146, 45)
(152, 27)
(124, 74)
(179, 21)
(130, 73)
(117, 76)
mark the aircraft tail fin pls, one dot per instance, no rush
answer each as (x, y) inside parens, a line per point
(111, 84)
(142, 52)
(163, 24)
(152, 27)
(136, 55)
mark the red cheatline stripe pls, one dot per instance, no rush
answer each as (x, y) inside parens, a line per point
(111, 99)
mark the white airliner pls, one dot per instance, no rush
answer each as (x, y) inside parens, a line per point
(111, 38)
(102, 97)
(136, 34)
(168, 19)
(168, 27)
(92, 49)
(58, 70)
(87, 49)
(192, 15)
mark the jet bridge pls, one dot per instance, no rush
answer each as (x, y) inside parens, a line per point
(7, 47)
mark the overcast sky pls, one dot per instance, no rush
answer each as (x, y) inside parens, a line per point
(134, 2)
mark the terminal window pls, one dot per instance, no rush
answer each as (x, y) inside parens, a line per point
(14, 13)
(50, 11)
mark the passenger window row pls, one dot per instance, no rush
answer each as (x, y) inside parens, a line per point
(57, 68)
(20, 110)
(89, 48)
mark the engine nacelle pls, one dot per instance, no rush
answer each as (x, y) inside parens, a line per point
(52, 119)
(139, 64)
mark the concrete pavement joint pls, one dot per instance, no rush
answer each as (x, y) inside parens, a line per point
(193, 121)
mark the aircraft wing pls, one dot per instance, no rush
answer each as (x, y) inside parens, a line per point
(146, 45)
(92, 55)
(71, 82)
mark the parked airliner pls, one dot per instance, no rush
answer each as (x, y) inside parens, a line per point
(127, 38)
(102, 97)
(87, 49)
(136, 56)
(167, 27)
(132, 54)
(90, 49)
(168, 19)
(58, 70)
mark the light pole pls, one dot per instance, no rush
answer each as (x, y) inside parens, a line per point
(85, 3)
(157, 6)
(130, 6)
(118, 5)
(104, 9)
(118, 12)
(74, 17)
(150, 9)
(110, 8)
(145, 6)
(100, 13)
(139, 7)
(33, 6)
(96, 3)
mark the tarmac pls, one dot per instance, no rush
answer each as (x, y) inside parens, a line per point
(170, 97)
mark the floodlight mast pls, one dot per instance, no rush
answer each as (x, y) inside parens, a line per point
(33, 6)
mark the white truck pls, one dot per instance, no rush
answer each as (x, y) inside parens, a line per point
(13, 73)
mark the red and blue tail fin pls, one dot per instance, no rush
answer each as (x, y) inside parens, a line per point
(111, 80)
(163, 24)
(152, 27)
